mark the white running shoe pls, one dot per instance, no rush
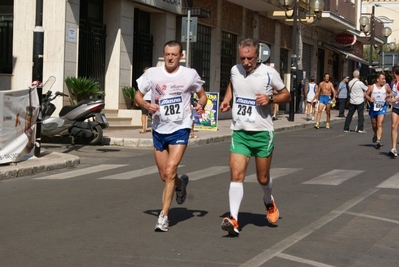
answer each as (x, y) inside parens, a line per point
(162, 223)
(181, 193)
(393, 152)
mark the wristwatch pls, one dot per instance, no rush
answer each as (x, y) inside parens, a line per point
(271, 99)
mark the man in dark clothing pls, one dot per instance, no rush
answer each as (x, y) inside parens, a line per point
(343, 95)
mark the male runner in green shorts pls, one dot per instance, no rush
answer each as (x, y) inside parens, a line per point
(251, 89)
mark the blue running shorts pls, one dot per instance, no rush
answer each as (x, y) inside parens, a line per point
(374, 113)
(162, 141)
(325, 99)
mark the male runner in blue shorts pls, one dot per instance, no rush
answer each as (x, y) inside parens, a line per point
(323, 93)
(378, 95)
(171, 88)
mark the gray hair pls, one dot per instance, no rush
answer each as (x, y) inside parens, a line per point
(356, 74)
(249, 43)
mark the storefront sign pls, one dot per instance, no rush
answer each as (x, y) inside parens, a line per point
(174, 6)
(345, 39)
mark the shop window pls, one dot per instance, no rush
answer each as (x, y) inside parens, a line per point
(228, 59)
(201, 54)
(6, 38)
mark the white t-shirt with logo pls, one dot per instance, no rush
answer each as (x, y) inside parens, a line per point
(172, 92)
(246, 114)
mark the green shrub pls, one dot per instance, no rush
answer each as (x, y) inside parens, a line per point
(81, 88)
(130, 92)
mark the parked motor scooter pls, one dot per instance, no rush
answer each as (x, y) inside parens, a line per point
(83, 121)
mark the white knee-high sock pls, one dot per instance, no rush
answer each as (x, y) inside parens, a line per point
(267, 191)
(236, 193)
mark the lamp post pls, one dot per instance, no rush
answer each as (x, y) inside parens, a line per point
(368, 27)
(313, 5)
(386, 32)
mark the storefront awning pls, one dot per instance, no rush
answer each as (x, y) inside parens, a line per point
(346, 54)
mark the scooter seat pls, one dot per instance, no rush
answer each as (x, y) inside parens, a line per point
(66, 109)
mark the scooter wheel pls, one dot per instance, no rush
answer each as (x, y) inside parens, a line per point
(98, 135)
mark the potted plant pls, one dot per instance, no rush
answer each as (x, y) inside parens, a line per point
(81, 88)
(130, 92)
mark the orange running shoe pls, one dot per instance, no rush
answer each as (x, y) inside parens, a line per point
(230, 225)
(272, 213)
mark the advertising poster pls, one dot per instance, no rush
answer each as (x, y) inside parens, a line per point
(208, 118)
(19, 112)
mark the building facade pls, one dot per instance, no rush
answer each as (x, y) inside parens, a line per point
(113, 40)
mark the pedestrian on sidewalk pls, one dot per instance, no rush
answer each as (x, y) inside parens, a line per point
(251, 89)
(378, 95)
(171, 86)
(395, 112)
(310, 92)
(324, 92)
(357, 91)
(343, 96)
(144, 111)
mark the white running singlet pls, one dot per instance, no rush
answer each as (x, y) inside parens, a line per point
(311, 92)
(379, 95)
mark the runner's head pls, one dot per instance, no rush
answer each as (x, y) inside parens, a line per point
(172, 53)
(248, 51)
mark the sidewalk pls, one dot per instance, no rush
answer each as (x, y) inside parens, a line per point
(130, 137)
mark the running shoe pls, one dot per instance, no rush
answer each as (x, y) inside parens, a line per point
(272, 213)
(308, 117)
(181, 193)
(317, 126)
(230, 225)
(378, 145)
(327, 126)
(374, 138)
(393, 152)
(346, 131)
(162, 223)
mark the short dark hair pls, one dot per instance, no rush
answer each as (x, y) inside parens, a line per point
(396, 70)
(174, 43)
(379, 75)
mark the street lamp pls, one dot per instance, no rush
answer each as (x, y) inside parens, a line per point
(367, 26)
(314, 6)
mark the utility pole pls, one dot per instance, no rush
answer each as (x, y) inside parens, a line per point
(37, 69)
(372, 33)
(294, 63)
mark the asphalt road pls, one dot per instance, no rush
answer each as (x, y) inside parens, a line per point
(337, 196)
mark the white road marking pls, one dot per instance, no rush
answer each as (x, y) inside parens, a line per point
(334, 177)
(301, 260)
(391, 182)
(78, 172)
(133, 174)
(274, 173)
(372, 217)
(274, 251)
(211, 171)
